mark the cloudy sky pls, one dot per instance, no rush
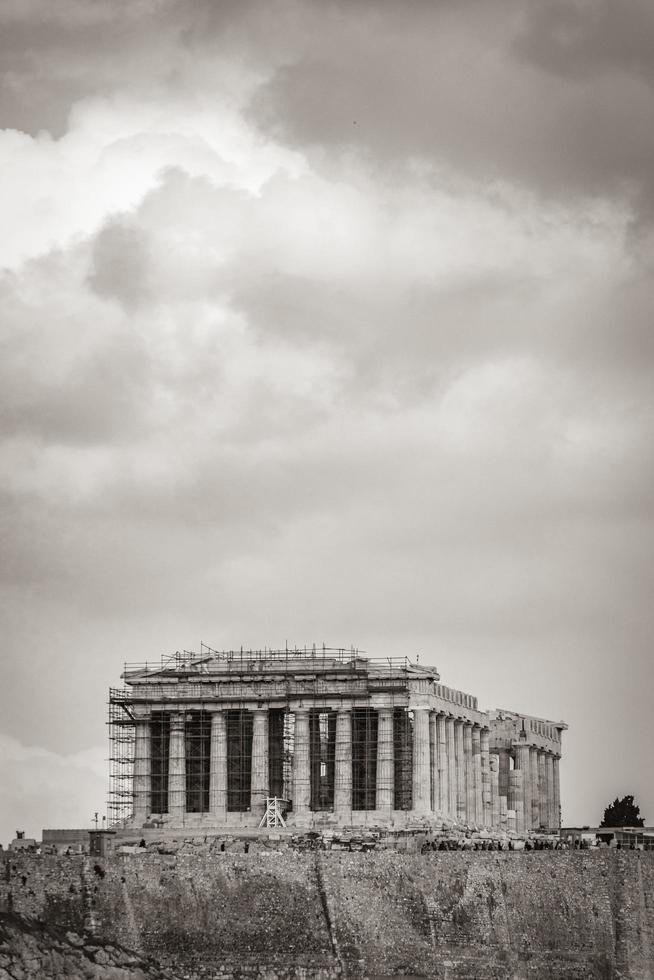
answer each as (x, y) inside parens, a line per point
(327, 322)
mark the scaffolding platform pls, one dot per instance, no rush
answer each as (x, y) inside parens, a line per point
(274, 815)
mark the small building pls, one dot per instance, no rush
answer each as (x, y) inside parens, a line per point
(61, 840)
(23, 843)
(101, 842)
(629, 838)
(641, 838)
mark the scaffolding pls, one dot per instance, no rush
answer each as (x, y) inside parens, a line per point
(179, 692)
(120, 803)
(274, 815)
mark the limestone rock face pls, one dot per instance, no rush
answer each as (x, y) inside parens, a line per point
(30, 952)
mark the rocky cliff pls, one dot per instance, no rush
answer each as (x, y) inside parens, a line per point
(29, 951)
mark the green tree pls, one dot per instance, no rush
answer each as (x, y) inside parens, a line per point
(622, 813)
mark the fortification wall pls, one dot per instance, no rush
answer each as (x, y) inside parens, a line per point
(546, 914)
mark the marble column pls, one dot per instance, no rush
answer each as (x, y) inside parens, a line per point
(218, 766)
(434, 782)
(557, 793)
(494, 763)
(515, 800)
(259, 782)
(421, 768)
(505, 767)
(385, 791)
(177, 770)
(535, 807)
(542, 791)
(314, 760)
(142, 771)
(451, 768)
(549, 783)
(301, 765)
(476, 774)
(343, 764)
(486, 798)
(522, 765)
(460, 772)
(504, 817)
(442, 803)
(469, 772)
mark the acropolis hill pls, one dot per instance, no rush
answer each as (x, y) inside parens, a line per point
(338, 738)
(414, 838)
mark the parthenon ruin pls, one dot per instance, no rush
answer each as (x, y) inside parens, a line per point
(203, 741)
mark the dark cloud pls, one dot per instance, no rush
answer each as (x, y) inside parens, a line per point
(468, 92)
(555, 96)
(53, 55)
(582, 39)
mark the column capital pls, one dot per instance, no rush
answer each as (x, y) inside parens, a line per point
(142, 714)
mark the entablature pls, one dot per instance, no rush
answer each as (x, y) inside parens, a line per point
(299, 700)
(258, 689)
(510, 729)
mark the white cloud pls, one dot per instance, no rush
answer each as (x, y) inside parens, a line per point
(114, 152)
(41, 788)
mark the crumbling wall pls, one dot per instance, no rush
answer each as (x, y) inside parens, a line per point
(489, 915)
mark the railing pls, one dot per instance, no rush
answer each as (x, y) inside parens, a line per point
(244, 660)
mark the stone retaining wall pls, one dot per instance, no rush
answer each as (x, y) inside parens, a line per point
(487, 915)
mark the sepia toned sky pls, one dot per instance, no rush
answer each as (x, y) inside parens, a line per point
(327, 322)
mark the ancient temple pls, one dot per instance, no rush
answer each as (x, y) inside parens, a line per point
(203, 741)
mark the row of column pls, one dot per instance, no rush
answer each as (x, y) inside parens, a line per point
(177, 765)
(453, 771)
(460, 770)
(534, 788)
(466, 783)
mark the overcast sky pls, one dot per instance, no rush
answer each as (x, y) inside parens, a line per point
(327, 322)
